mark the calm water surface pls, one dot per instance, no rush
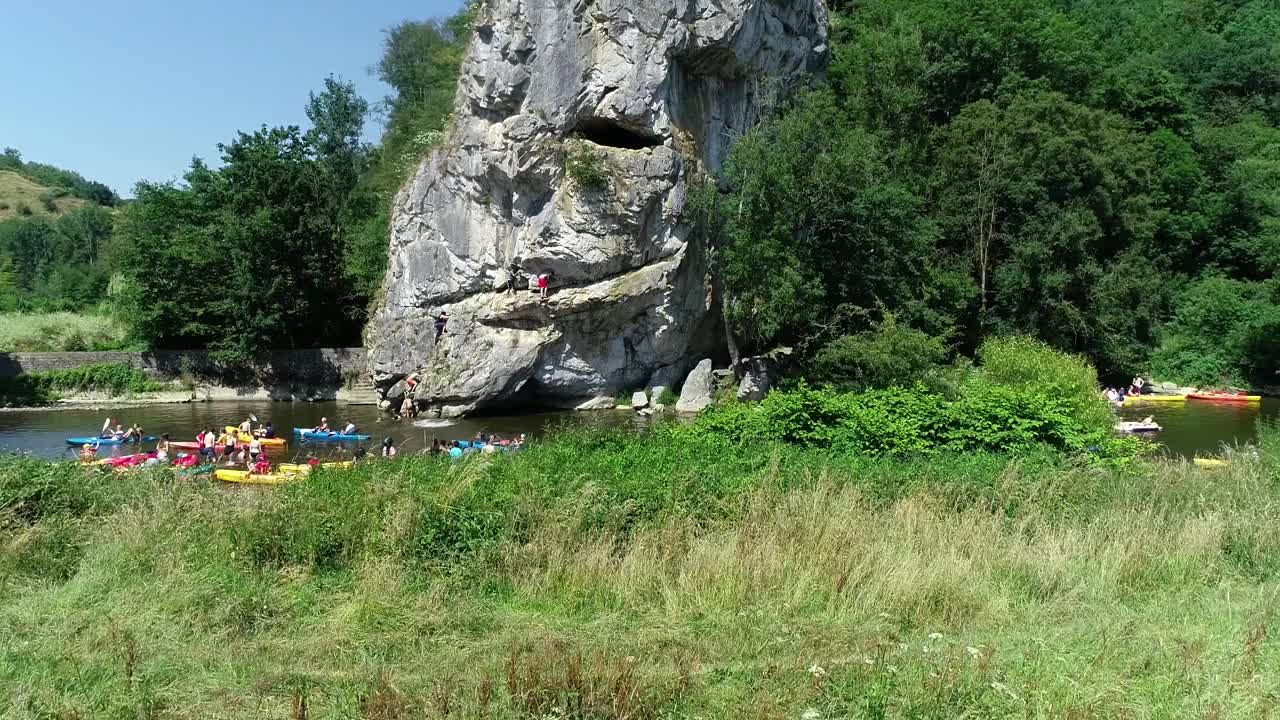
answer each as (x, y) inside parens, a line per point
(1201, 428)
(1190, 428)
(44, 432)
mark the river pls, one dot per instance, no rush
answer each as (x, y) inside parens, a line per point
(43, 432)
(1202, 428)
(1190, 428)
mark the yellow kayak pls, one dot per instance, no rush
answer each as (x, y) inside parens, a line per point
(304, 469)
(1209, 462)
(247, 478)
(269, 443)
(1155, 398)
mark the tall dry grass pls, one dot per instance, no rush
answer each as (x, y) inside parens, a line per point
(60, 332)
(557, 584)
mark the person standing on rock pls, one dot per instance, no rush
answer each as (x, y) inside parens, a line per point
(513, 277)
(544, 280)
(441, 320)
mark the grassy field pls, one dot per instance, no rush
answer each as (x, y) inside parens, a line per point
(45, 332)
(17, 192)
(614, 576)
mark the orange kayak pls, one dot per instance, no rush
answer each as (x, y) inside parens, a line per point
(1224, 397)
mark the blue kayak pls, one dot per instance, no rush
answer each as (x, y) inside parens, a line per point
(107, 441)
(309, 434)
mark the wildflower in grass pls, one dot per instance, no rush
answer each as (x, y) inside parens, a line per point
(868, 661)
(935, 636)
(817, 671)
(810, 714)
(973, 652)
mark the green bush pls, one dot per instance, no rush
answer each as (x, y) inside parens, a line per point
(42, 388)
(886, 355)
(1030, 366)
(588, 168)
(1027, 398)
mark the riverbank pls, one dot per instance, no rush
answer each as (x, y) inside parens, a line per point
(615, 575)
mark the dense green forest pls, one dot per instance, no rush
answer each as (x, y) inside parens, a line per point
(1104, 176)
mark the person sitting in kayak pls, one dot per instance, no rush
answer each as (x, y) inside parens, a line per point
(117, 434)
(267, 432)
(350, 429)
(133, 434)
(323, 427)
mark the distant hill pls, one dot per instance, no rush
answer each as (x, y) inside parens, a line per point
(51, 183)
(20, 196)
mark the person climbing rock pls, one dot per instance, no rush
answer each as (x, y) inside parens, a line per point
(441, 320)
(544, 280)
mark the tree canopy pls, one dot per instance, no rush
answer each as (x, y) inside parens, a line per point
(1085, 172)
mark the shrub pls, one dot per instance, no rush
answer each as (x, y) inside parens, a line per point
(1028, 397)
(886, 355)
(1030, 366)
(42, 388)
(49, 201)
(25, 210)
(586, 167)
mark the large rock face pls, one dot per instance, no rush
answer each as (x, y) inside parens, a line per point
(645, 95)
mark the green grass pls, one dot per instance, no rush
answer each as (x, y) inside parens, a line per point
(60, 332)
(17, 192)
(604, 575)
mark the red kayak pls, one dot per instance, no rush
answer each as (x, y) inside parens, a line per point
(1224, 397)
(185, 445)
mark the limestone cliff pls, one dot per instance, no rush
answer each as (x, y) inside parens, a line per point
(641, 96)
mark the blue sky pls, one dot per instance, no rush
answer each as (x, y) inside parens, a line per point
(129, 90)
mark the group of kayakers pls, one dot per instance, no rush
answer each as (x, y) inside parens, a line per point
(482, 443)
(119, 434)
(249, 446)
(1137, 387)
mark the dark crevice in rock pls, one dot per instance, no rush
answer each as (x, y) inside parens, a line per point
(608, 133)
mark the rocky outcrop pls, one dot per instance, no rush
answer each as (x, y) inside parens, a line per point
(757, 378)
(696, 394)
(579, 126)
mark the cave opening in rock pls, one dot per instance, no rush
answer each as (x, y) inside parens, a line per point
(610, 134)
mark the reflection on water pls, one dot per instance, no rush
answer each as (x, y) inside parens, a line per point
(1198, 427)
(1190, 428)
(44, 432)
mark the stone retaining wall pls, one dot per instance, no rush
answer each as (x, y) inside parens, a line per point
(317, 366)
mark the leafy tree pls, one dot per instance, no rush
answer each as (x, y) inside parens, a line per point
(817, 221)
(337, 119)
